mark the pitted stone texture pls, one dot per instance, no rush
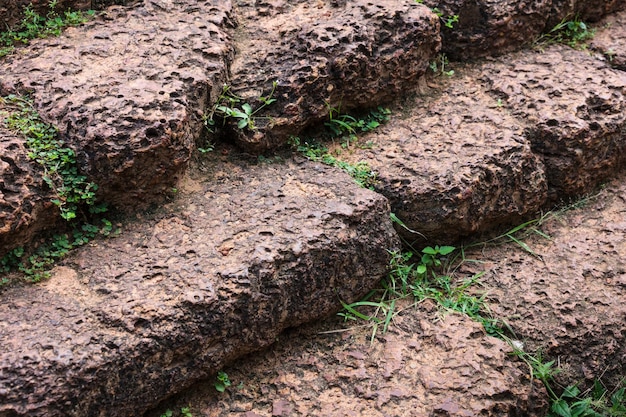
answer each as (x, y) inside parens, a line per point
(574, 108)
(456, 165)
(235, 261)
(610, 40)
(487, 27)
(127, 90)
(569, 302)
(346, 55)
(25, 206)
(418, 368)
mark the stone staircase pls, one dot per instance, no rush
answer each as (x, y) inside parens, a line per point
(245, 250)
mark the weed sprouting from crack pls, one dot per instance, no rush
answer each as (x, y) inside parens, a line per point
(573, 33)
(229, 105)
(433, 277)
(344, 127)
(58, 161)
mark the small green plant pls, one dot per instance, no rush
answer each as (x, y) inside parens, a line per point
(222, 381)
(344, 124)
(208, 147)
(73, 194)
(229, 105)
(35, 265)
(595, 402)
(448, 21)
(34, 26)
(184, 412)
(394, 287)
(345, 127)
(568, 32)
(61, 174)
(439, 65)
(361, 172)
(425, 280)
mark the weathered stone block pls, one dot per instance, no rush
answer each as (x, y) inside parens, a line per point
(340, 54)
(456, 165)
(221, 273)
(127, 91)
(568, 300)
(573, 106)
(25, 206)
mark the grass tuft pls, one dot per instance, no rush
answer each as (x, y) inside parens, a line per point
(34, 25)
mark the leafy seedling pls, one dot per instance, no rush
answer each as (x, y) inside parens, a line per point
(222, 381)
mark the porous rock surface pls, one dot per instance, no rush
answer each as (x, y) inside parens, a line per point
(248, 252)
(337, 54)
(487, 27)
(568, 300)
(457, 164)
(130, 321)
(126, 93)
(418, 368)
(498, 141)
(573, 105)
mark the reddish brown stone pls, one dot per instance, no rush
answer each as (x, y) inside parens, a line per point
(127, 91)
(131, 320)
(343, 55)
(573, 107)
(458, 164)
(25, 200)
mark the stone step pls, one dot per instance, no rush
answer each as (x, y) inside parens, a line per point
(341, 55)
(245, 252)
(565, 303)
(420, 367)
(248, 250)
(456, 164)
(572, 106)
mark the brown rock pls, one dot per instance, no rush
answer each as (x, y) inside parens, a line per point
(127, 91)
(588, 11)
(495, 27)
(568, 302)
(131, 320)
(573, 107)
(418, 368)
(456, 165)
(490, 27)
(340, 54)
